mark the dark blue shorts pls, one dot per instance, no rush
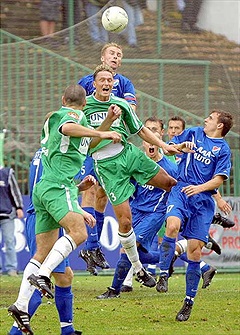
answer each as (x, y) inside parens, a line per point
(195, 212)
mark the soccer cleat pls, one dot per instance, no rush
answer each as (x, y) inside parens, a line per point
(208, 276)
(22, 319)
(145, 278)
(109, 294)
(76, 332)
(222, 221)
(99, 258)
(162, 284)
(86, 255)
(43, 284)
(171, 268)
(213, 245)
(185, 312)
(126, 288)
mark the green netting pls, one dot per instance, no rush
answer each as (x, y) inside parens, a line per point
(174, 74)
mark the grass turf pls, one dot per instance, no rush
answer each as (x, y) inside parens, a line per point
(143, 311)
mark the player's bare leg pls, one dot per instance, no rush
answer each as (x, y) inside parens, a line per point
(128, 240)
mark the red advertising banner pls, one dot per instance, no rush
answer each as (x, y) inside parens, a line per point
(228, 239)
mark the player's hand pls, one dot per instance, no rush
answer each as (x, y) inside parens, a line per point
(224, 206)
(111, 135)
(86, 183)
(89, 219)
(186, 147)
(114, 112)
(170, 149)
(192, 190)
(20, 213)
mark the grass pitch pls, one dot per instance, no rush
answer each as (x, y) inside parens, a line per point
(143, 311)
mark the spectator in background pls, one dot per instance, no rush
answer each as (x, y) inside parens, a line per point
(98, 34)
(67, 21)
(190, 15)
(11, 206)
(135, 18)
(49, 15)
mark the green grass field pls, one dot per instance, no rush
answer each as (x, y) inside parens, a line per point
(143, 311)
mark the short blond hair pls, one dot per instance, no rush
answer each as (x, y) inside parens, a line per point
(102, 67)
(109, 45)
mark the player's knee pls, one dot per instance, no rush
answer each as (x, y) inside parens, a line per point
(172, 230)
(64, 279)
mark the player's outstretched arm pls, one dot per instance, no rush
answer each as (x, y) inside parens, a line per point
(148, 136)
(77, 130)
(186, 147)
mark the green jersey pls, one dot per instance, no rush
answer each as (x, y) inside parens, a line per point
(63, 156)
(127, 124)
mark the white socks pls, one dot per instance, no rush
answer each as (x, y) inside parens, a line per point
(129, 278)
(61, 249)
(128, 241)
(26, 289)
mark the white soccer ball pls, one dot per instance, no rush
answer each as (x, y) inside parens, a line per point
(114, 19)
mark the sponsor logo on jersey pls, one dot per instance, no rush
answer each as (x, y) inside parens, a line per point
(73, 115)
(203, 155)
(178, 159)
(96, 119)
(215, 149)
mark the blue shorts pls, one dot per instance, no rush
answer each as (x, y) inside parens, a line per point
(31, 241)
(86, 169)
(195, 212)
(146, 225)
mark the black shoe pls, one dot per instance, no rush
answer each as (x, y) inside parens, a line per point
(43, 284)
(162, 284)
(185, 312)
(126, 288)
(86, 255)
(171, 268)
(213, 245)
(145, 278)
(99, 258)
(22, 319)
(109, 294)
(222, 221)
(76, 332)
(208, 276)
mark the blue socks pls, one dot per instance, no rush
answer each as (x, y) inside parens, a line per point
(193, 275)
(121, 271)
(100, 221)
(92, 240)
(167, 250)
(64, 304)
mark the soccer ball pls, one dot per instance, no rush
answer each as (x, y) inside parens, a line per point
(114, 19)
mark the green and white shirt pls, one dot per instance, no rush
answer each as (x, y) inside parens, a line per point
(127, 124)
(63, 156)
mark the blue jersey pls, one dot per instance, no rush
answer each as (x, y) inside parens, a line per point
(35, 173)
(122, 87)
(148, 198)
(212, 157)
